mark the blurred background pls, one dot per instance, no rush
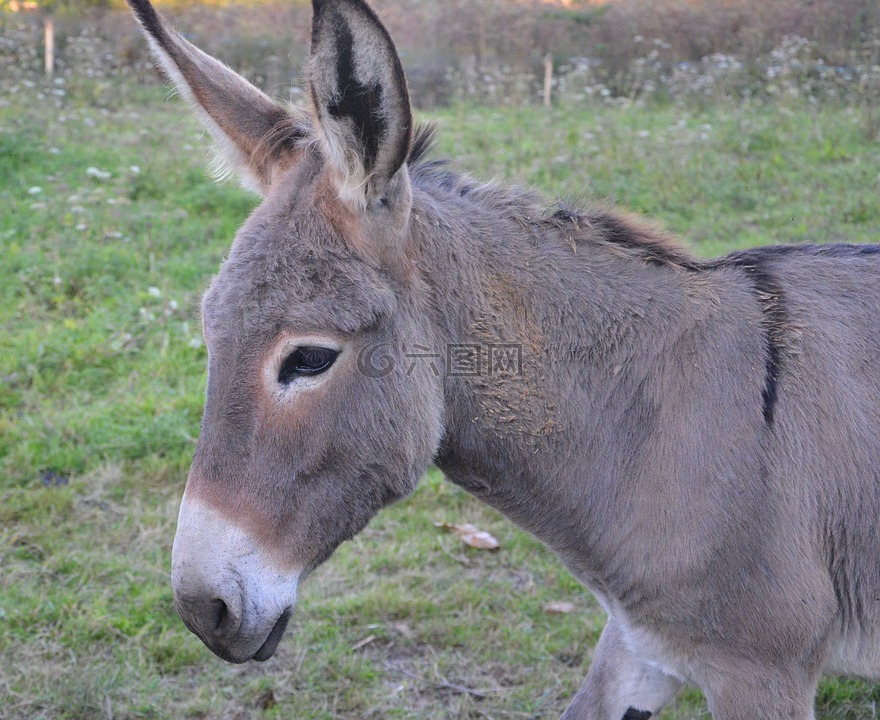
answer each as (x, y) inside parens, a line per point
(496, 51)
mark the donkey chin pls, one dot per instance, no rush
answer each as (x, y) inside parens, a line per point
(227, 590)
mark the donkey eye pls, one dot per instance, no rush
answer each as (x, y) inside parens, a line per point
(306, 361)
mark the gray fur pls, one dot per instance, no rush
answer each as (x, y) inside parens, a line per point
(698, 441)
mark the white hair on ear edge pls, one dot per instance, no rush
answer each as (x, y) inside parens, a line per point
(227, 159)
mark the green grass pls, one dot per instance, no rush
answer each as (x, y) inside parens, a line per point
(101, 383)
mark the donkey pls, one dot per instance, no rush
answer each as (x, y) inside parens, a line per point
(697, 440)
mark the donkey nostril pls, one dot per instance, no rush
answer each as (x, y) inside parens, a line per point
(209, 616)
(223, 617)
(221, 612)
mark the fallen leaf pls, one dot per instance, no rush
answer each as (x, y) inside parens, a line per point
(472, 536)
(404, 630)
(558, 606)
(362, 643)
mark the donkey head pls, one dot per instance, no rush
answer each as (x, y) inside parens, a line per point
(300, 444)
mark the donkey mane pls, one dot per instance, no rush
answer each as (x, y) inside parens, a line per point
(599, 225)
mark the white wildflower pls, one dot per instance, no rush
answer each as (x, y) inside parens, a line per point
(97, 174)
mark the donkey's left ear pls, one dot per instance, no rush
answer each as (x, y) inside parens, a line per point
(255, 136)
(360, 101)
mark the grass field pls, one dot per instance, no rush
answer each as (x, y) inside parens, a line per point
(109, 231)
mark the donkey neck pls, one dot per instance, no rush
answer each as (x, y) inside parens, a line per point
(578, 332)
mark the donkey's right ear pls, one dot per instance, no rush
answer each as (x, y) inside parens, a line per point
(360, 100)
(254, 135)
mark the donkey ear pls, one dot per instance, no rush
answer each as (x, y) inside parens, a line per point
(254, 134)
(360, 98)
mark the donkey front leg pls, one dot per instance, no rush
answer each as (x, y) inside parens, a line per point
(748, 690)
(619, 685)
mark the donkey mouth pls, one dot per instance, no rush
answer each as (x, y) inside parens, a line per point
(232, 654)
(268, 648)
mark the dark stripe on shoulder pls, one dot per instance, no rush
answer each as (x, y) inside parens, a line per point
(633, 714)
(772, 299)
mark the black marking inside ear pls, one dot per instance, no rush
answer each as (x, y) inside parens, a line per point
(359, 90)
(633, 714)
(362, 104)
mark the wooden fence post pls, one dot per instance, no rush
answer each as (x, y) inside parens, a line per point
(49, 44)
(548, 78)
